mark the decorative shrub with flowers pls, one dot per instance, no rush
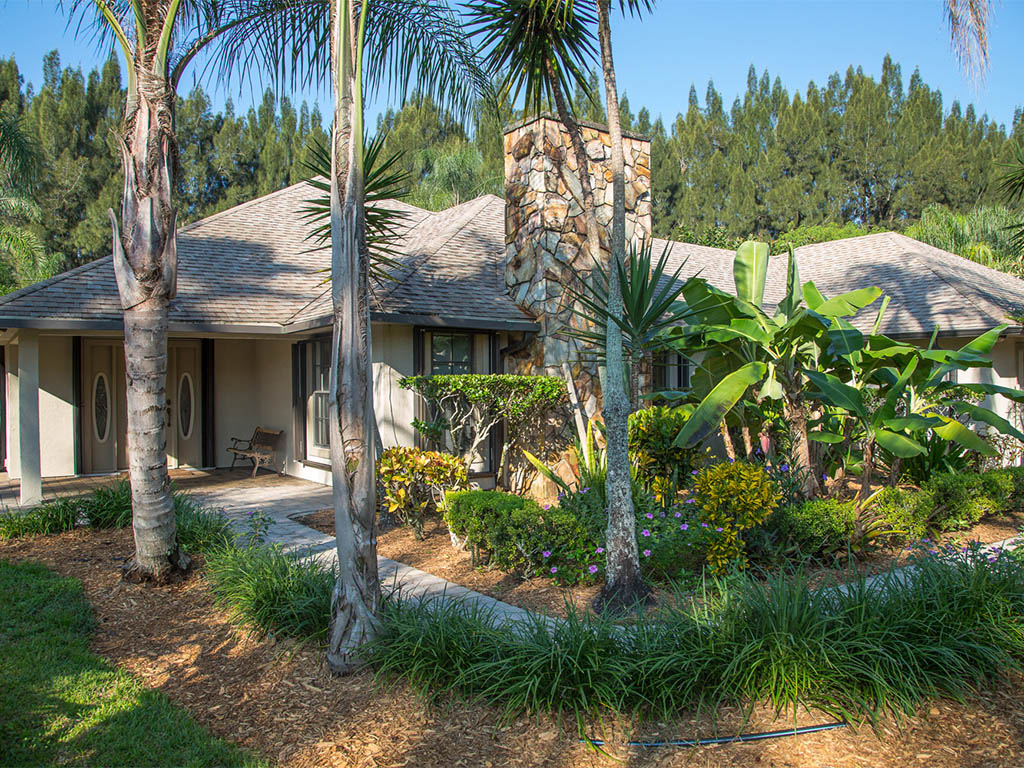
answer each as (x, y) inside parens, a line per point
(671, 540)
(731, 498)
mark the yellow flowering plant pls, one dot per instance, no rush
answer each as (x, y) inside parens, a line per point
(732, 497)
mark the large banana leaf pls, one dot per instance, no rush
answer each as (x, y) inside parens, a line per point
(750, 271)
(789, 305)
(836, 393)
(895, 392)
(898, 444)
(957, 432)
(1009, 393)
(712, 409)
(986, 416)
(843, 305)
(846, 340)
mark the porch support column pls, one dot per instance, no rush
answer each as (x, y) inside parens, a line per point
(28, 417)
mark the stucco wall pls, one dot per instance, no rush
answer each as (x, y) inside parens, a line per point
(56, 408)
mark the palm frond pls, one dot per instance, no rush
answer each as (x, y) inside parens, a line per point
(650, 298)
(20, 158)
(384, 180)
(1011, 183)
(526, 40)
(968, 33)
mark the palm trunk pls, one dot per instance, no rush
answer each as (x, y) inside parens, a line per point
(145, 266)
(624, 585)
(356, 595)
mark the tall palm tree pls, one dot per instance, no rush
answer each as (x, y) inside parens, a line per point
(404, 46)
(543, 46)
(159, 39)
(623, 583)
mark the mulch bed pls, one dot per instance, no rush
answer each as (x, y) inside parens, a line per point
(279, 700)
(435, 554)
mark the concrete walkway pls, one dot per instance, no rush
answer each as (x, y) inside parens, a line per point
(283, 499)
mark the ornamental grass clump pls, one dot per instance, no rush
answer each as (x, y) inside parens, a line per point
(858, 650)
(731, 498)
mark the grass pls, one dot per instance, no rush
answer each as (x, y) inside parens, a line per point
(62, 705)
(870, 649)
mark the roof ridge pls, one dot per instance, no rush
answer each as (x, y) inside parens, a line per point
(920, 259)
(467, 216)
(239, 207)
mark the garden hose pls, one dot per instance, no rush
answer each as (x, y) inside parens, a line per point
(726, 739)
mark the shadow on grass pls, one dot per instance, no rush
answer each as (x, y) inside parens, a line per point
(64, 705)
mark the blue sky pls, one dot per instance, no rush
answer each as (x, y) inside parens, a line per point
(690, 41)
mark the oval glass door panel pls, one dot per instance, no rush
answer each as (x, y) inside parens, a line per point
(101, 407)
(186, 406)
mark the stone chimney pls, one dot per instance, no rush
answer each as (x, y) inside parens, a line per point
(545, 233)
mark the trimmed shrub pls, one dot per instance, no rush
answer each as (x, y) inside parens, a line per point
(516, 534)
(906, 509)
(818, 525)
(733, 497)
(659, 465)
(961, 500)
(413, 483)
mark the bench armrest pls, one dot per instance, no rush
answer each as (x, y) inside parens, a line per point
(238, 442)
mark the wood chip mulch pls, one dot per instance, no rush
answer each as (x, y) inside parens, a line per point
(279, 700)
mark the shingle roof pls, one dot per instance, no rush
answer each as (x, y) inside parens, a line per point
(928, 287)
(253, 268)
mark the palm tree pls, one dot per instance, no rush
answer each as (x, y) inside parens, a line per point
(406, 46)
(159, 39)
(543, 46)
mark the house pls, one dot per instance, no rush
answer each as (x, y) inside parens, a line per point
(479, 288)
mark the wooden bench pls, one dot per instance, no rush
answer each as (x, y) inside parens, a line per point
(260, 449)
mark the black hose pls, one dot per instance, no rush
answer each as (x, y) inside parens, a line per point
(726, 739)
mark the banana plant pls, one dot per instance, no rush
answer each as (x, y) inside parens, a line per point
(748, 349)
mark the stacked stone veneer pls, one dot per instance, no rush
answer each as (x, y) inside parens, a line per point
(546, 239)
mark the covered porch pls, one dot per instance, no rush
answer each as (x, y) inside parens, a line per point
(234, 491)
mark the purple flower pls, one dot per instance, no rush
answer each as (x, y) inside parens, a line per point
(546, 553)
(547, 506)
(719, 529)
(649, 516)
(691, 501)
(600, 550)
(732, 461)
(693, 471)
(645, 532)
(592, 569)
(684, 527)
(554, 569)
(679, 514)
(784, 468)
(586, 489)
(647, 553)
(926, 541)
(703, 525)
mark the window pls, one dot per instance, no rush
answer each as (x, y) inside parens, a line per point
(671, 372)
(451, 353)
(101, 407)
(320, 383)
(186, 406)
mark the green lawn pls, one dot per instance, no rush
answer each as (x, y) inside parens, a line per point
(60, 704)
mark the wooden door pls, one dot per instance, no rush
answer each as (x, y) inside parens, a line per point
(184, 422)
(104, 408)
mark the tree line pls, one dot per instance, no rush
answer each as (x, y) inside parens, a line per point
(854, 155)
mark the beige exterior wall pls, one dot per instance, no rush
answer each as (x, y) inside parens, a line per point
(56, 408)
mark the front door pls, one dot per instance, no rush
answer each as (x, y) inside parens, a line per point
(104, 411)
(104, 406)
(184, 415)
